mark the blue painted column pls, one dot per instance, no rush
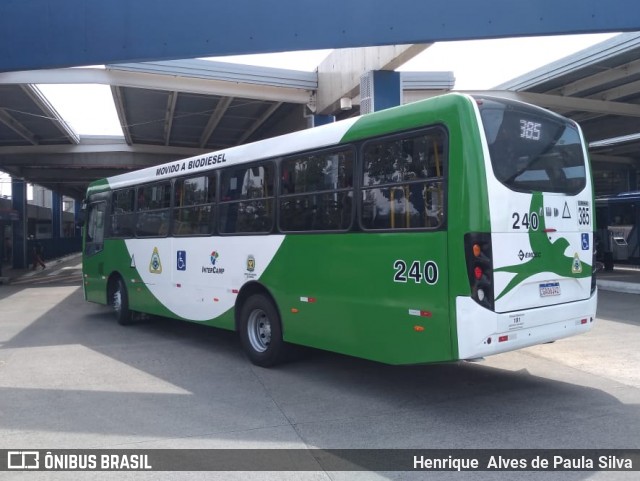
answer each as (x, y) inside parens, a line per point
(387, 89)
(319, 120)
(77, 217)
(57, 244)
(19, 203)
(56, 215)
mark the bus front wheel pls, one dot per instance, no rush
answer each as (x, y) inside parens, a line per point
(261, 331)
(120, 303)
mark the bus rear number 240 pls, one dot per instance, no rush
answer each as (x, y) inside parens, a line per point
(417, 271)
(529, 221)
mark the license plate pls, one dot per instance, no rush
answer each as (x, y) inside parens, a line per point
(550, 289)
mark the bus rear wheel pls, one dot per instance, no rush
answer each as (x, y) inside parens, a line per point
(261, 331)
(120, 303)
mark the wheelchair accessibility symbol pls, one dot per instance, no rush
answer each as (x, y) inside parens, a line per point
(585, 242)
(181, 260)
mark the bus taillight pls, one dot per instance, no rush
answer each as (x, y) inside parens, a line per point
(477, 272)
(480, 267)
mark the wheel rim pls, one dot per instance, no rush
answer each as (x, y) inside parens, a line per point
(117, 301)
(259, 330)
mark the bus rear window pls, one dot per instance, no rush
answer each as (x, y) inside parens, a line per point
(532, 150)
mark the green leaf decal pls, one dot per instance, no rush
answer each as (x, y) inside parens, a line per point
(552, 256)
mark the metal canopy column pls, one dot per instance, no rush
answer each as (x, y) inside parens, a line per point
(56, 215)
(19, 203)
(77, 218)
(318, 120)
(379, 90)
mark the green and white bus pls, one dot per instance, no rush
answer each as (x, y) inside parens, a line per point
(452, 228)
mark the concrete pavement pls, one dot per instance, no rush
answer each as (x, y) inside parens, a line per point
(624, 279)
(10, 274)
(72, 378)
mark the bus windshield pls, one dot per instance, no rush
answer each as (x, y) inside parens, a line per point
(532, 150)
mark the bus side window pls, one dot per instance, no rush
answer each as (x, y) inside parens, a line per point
(247, 199)
(316, 191)
(154, 202)
(194, 198)
(403, 181)
(123, 213)
(95, 228)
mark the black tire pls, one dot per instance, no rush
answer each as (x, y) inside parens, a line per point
(120, 303)
(260, 331)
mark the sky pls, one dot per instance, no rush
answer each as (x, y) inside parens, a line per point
(476, 64)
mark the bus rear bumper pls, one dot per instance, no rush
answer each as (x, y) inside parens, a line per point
(482, 332)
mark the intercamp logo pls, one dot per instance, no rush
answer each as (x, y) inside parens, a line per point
(214, 268)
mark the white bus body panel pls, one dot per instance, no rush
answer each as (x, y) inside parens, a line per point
(198, 278)
(482, 332)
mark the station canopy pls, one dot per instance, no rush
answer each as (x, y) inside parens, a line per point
(175, 109)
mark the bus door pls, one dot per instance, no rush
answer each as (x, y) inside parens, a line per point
(93, 265)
